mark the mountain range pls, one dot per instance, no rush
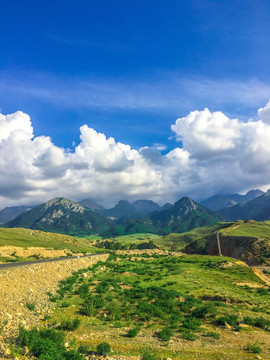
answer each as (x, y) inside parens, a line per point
(219, 202)
(255, 209)
(86, 218)
(66, 216)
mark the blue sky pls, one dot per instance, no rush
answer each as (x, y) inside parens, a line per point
(131, 68)
(128, 70)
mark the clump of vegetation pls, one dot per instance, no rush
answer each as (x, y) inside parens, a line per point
(84, 349)
(31, 306)
(46, 344)
(227, 319)
(212, 334)
(259, 322)
(165, 334)
(189, 336)
(192, 323)
(69, 325)
(132, 332)
(103, 349)
(148, 354)
(254, 348)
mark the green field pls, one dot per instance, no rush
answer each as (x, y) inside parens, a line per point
(178, 306)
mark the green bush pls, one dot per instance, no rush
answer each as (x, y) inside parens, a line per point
(192, 323)
(203, 311)
(46, 344)
(165, 334)
(88, 309)
(254, 348)
(31, 306)
(148, 354)
(212, 334)
(133, 333)
(262, 291)
(84, 349)
(229, 319)
(70, 325)
(259, 322)
(103, 349)
(73, 355)
(189, 336)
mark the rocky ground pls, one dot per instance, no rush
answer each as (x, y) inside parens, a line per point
(29, 285)
(33, 252)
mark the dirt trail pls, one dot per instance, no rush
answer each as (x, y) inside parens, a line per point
(30, 284)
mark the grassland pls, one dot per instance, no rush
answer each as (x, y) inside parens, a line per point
(250, 228)
(191, 306)
(20, 237)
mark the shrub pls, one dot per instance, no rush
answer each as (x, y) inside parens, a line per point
(148, 354)
(259, 322)
(73, 355)
(189, 336)
(212, 334)
(254, 348)
(88, 309)
(46, 344)
(133, 333)
(103, 349)
(84, 349)
(31, 306)
(70, 325)
(192, 323)
(65, 304)
(165, 334)
(83, 290)
(202, 311)
(229, 319)
(262, 291)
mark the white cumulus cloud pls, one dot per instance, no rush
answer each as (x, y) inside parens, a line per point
(216, 154)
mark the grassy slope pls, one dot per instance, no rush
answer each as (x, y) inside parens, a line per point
(260, 229)
(35, 238)
(206, 277)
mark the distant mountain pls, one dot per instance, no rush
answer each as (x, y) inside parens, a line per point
(63, 216)
(145, 207)
(9, 213)
(256, 209)
(122, 212)
(166, 206)
(91, 205)
(218, 202)
(184, 215)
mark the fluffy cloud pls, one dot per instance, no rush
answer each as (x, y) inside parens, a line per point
(216, 154)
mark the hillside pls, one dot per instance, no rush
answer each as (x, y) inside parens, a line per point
(154, 306)
(62, 216)
(35, 238)
(246, 240)
(256, 209)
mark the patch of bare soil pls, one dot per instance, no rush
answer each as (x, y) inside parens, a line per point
(264, 277)
(38, 252)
